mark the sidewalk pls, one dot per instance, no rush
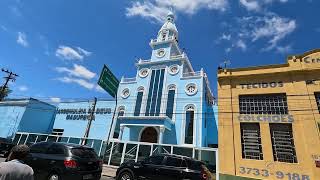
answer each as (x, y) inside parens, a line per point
(109, 171)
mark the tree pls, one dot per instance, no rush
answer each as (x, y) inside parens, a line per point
(4, 93)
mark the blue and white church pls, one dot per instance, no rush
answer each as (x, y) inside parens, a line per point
(168, 102)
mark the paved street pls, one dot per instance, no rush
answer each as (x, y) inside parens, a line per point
(103, 177)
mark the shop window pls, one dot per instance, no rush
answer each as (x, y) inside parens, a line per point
(263, 104)
(283, 143)
(251, 141)
(317, 96)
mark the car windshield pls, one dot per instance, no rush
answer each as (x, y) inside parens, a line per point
(84, 152)
(195, 165)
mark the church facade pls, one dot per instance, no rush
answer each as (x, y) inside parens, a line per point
(167, 102)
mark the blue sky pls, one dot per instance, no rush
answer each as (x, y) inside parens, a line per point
(59, 47)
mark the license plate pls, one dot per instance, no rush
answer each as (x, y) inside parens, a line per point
(88, 176)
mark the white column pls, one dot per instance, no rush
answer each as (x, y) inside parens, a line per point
(162, 129)
(121, 132)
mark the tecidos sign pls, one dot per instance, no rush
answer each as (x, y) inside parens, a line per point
(272, 118)
(82, 113)
(262, 85)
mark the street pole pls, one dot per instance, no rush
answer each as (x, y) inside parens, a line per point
(12, 76)
(86, 135)
(113, 116)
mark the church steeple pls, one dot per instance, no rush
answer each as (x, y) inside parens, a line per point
(166, 44)
(168, 30)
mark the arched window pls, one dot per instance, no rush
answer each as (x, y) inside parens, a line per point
(137, 108)
(170, 100)
(116, 131)
(189, 123)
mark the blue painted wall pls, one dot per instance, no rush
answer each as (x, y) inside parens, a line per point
(76, 128)
(205, 116)
(25, 115)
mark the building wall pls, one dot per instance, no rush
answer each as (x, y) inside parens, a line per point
(181, 101)
(301, 105)
(179, 73)
(10, 117)
(77, 127)
(37, 118)
(25, 115)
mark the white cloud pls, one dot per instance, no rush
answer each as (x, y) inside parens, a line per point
(269, 29)
(55, 99)
(65, 52)
(273, 27)
(226, 37)
(241, 44)
(258, 5)
(23, 88)
(84, 83)
(147, 10)
(250, 5)
(158, 9)
(22, 39)
(284, 49)
(99, 89)
(78, 71)
(84, 52)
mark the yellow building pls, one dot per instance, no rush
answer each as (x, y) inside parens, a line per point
(269, 120)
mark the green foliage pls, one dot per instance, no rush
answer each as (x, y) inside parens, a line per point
(4, 93)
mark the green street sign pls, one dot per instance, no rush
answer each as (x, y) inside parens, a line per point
(108, 81)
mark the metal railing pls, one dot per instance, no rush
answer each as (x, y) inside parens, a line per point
(117, 152)
(31, 138)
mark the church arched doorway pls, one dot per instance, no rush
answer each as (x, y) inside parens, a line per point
(149, 134)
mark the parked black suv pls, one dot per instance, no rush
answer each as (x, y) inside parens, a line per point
(63, 161)
(163, 167)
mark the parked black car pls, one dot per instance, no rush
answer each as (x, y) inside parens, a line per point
(5, 147)
(163, 167)
(63, 161)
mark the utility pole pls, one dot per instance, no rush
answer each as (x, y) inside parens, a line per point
(11, 76)
(113, 118)
(91, 117)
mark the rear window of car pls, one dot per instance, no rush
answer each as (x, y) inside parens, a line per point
(39, 148)
(171, 161)
(156, 160)
(195, 165)
(56, 149)
(84, 152)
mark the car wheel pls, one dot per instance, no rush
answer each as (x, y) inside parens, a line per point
(126, 175)
(54, 176)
